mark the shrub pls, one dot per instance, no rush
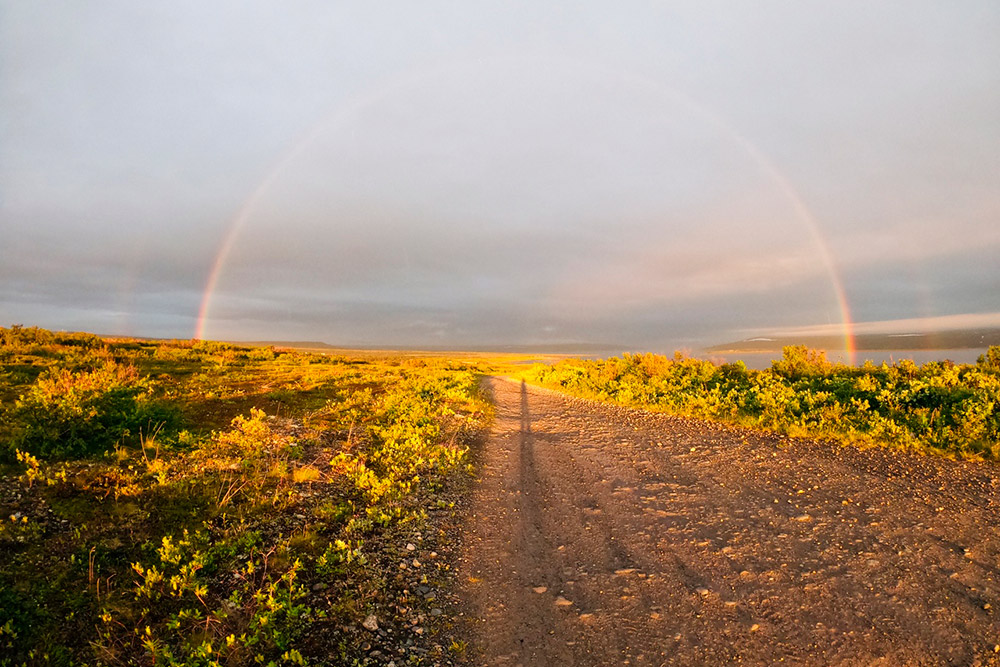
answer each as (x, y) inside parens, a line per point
(940, 406)
(799, 361)
(990, 360)
(71, 415)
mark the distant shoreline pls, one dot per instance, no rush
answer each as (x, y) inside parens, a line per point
(971, 339)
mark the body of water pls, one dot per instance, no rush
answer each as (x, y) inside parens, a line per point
(761, 360)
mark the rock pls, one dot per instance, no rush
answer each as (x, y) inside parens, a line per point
(625, 570)
(410, 546)
(703, 591)
(540, 589)
(755, 627)
(563, 602)
(370, 623)
(436, 612)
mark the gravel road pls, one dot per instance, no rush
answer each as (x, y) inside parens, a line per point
(600, 535)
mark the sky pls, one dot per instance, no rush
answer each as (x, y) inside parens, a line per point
(452, 174)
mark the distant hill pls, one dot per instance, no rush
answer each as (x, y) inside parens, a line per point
(293, 344)
(541, 348)
(936, 340)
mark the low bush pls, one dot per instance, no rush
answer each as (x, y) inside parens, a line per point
(251, 537)
(67, 414)
(938, 407)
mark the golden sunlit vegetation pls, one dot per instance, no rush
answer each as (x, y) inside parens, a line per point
(939, 407)
(199, 503)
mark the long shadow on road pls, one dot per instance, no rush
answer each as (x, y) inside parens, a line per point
(602, 536)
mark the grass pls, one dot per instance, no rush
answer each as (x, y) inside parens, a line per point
(201, 503)
(192, 503)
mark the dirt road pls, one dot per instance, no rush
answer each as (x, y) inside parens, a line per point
(605, 536)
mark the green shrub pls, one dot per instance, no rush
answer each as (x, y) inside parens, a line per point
(990, 360)
(72, 415)
(940, 406)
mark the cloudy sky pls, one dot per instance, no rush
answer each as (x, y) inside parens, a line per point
(645, 174)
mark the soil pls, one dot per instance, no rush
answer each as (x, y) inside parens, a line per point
(600, 535)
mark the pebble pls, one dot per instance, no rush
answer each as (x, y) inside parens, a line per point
(411, 546)
(540, 589)
(563, 602)
(370, 623)
(703, 591)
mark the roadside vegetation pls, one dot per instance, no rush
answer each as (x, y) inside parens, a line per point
(199, 503)
(939, 407)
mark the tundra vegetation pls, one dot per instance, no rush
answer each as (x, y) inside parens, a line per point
(199, 503)
(939, 407)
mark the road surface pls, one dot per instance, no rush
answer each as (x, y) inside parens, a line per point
(601, 535)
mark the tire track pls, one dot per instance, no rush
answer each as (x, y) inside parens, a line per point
(600, 535)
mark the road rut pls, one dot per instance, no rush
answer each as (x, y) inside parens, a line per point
(600, 535)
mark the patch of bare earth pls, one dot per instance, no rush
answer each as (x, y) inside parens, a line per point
(602, 536)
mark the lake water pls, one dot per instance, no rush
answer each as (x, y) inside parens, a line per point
(761, 360)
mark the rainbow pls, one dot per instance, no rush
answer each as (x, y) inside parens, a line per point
(344, 113)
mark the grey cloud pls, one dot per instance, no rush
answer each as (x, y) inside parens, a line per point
(496, 172)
